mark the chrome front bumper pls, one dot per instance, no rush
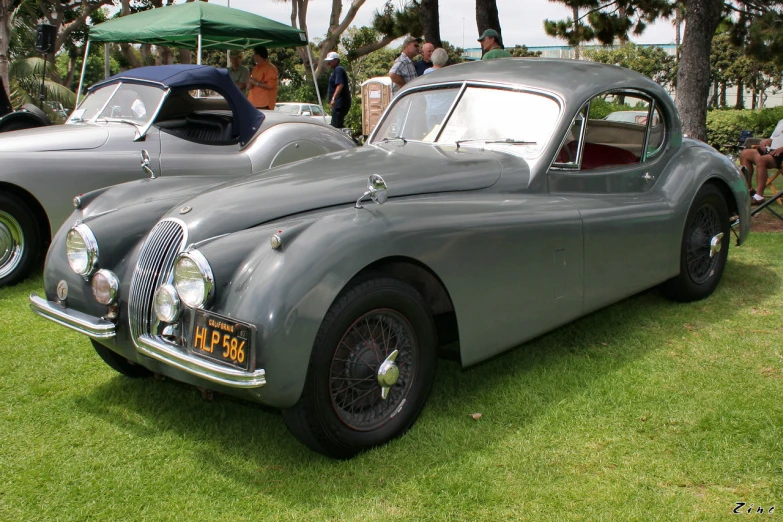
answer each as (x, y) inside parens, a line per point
(82, 323)
(156, 348)
(152, 347)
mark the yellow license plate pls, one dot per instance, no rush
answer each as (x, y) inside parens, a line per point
(222, 339)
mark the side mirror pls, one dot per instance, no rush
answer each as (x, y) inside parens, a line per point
(376, 189)
(306, 113)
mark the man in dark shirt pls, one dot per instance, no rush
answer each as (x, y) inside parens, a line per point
(339, 92)
(426, 59)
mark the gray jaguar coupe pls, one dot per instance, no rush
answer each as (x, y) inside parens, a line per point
(147, 122)
(500, 205)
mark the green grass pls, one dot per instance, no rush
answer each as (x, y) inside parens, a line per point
(647, 410)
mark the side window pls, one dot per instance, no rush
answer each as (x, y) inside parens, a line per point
(656, 135)
(616, 128)
(317, 111)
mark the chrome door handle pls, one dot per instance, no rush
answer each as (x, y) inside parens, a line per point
(145, 164)
(647, 177)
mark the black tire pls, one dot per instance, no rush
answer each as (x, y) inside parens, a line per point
(341, 411)
(38, 113)
(701, 266)
(119, 363)
(20, 241)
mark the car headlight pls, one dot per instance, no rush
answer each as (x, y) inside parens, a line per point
(81, 248)
(193, 279)
(167, 304)
(105, 287)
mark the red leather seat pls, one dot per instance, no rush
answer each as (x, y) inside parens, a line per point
(597, 155)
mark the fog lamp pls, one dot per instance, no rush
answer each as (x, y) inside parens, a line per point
(105, 287)
(166, 305)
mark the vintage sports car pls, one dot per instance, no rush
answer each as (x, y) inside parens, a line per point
(147, 122)
(507, 211)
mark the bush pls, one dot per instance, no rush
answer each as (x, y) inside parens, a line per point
(725, 126)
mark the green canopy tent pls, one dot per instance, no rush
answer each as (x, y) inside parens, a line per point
(197, 25)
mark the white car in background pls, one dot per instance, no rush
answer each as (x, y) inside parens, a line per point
(638, 117)
(303, 109)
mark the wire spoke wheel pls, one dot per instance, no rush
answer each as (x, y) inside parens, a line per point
(700, 260)
(358, 376)
(11, 243)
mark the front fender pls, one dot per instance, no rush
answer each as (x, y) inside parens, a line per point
(287, 292)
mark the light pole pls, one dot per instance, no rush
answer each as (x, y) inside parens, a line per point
(228, 51)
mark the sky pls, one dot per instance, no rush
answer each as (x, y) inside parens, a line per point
(522, 21)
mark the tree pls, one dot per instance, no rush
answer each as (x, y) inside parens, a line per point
(521, 51)
(487, 16)
(652, 62)
(390, 22)
(430, 20)
(25, 85)
(571, 29)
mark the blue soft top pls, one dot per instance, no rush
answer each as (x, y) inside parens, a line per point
(247, 119)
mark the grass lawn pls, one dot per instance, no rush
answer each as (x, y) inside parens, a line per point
(647, 410)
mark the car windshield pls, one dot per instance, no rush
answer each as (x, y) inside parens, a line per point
(124, 101)
(520, 122)
(287, 109)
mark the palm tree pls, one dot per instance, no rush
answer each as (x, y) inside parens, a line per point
(25, 85)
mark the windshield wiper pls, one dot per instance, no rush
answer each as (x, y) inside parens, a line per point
(509, 141)
(394, 138)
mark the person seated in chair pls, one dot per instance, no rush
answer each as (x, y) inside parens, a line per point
(768, 155)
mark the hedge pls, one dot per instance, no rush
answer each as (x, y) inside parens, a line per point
(725, 126)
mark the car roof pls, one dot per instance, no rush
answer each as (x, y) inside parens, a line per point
(190, 77)
(573, 80)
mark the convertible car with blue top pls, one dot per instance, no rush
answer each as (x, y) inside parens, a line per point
(149, 122)
(492, 203)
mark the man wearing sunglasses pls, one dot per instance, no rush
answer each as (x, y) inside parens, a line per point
(403, 69)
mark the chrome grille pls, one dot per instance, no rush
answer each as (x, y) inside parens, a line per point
(153, 269)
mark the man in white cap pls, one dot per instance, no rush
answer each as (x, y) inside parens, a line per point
(339, 93)
(403, 69)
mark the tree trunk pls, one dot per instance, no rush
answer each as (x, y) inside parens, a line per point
(723, 94)
(693, 76)
(714, 98)
(126, 49)
(487, 16)
(740, 96)
(5, 42)
(430, 19)
(576, 31)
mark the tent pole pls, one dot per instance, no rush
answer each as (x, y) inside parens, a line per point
(84, 68)
(315, 82)
(106, 67)
(198, 55)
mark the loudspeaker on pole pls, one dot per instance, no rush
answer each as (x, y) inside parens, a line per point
(45, 35)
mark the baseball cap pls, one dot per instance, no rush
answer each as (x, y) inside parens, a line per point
(411, 39)
(489, 32)
(332, 56)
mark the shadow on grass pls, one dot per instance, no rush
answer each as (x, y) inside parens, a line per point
(250, 445)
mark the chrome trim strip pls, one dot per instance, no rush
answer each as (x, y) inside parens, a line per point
(86, 324)
(157, 349)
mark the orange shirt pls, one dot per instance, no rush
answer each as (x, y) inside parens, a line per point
(259, 97)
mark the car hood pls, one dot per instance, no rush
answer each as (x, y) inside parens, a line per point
(54, 137)
(338, 178)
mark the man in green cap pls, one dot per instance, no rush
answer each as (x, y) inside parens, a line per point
(492, 46)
